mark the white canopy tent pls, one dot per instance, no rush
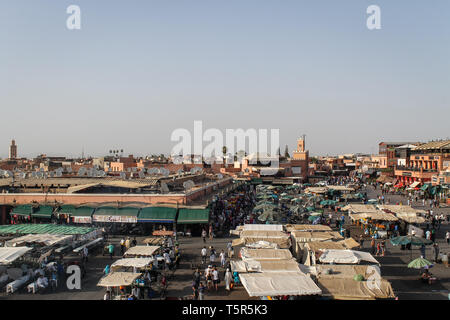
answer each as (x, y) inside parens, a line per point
(277, 284)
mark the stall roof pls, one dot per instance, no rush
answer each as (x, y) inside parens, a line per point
(347, 289)
(9, 255)
(45, 239)
(262, 227)
(132, 262)
(346, 257)
(189, 216)
(379, 215)
(303, 236)
(347, 271)
(43, 228)
(141, 251)
(277, 284)
(114, 211)
(307, 227)
(66, 209)
(117, 279)
(83, 211)
(324, 245)
(43, 212)
(358, 208)
(23, 210)
(157, 214)
(266, 254)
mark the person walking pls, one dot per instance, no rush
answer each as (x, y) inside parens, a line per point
(372, 245)
(436, 252)
(204, 253)
(212, 255)
(229, 248)
(447, 237)
(216, 279)
(201, 291)
(208, 277)
(85, 254)
(228, 278)
(122, 246)
(423, 251)
(204, 235)
(378, 249)
(127, 243)
(111, 250)
(383, 248)
(223, 259)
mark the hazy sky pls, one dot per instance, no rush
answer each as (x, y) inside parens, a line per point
(137, 70)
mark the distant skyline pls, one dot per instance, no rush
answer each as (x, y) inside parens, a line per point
(136, 72)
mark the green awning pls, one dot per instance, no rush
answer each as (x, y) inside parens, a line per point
(23, 210)
(111, 211)
(186, 216)
(82, 212)
(43, 212)
(424, 187)
(256, 181)
(157, 214)
(66, 209)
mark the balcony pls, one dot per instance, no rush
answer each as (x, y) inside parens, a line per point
(415, 169)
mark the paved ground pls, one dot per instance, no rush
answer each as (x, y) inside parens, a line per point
(405, 281)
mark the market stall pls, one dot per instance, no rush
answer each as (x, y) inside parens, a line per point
(278, 284)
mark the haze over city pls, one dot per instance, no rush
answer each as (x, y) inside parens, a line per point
(134, 73)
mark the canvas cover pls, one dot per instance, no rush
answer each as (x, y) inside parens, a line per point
(307, 227)
(262, 227)
(347, 271)
(379, 215)
(10, 254)
(262, 245)
(238, 266)
(346, 257)
(349, 289)
(349, 243)
(278, 237)
(359, 208)
(44, 239)
(305, 236)
(144, 251)
(265, 254)
(276, 284)
(132, 262)
(117, 279)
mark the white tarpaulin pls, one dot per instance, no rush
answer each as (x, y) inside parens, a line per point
(307, 227)
(144, 251)
(346, 257)
(132, 262)
(238, 266)
(45, 239)
(278, 284)
(8, 255)
(262, 245)
(263, 227)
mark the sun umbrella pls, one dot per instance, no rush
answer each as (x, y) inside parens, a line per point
(419, 263)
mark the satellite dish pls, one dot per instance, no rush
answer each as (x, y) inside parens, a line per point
(59, 174)
(141, 175)
(189, 184)
(123, 175)
(81, 171)
(134, 169)
(51, 174)
(69, 169)
(164, 188)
